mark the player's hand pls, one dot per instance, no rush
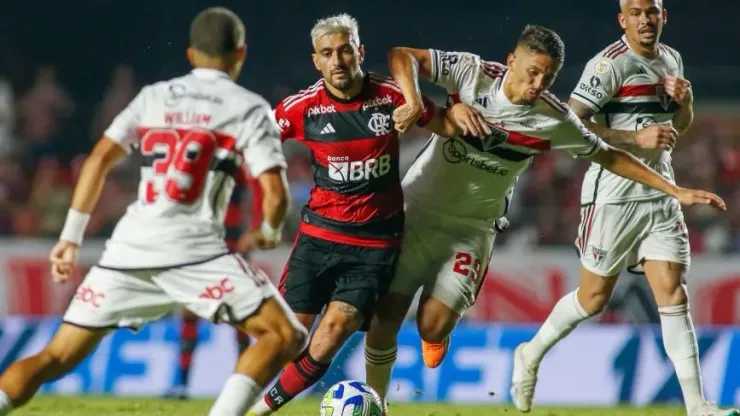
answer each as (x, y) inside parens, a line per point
(696, 197)
(64, 257)
(469, 120)
(256, 239)
(245, 243)
(679, 89)
(406, 115)
(656, 137)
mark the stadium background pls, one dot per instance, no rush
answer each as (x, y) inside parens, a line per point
(66, 69)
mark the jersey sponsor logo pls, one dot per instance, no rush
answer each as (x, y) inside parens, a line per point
(447, 60)
(645, 121)
(377, 101)
(380, 124)
(592, 88)
(342, 169)
(321, 109)
(87, 294)
(177, 92)
(454, 151)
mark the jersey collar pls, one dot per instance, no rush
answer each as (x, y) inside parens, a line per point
(209, 73)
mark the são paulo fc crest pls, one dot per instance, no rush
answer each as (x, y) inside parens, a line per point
(663, 97)
(598, 254)
(497, 136)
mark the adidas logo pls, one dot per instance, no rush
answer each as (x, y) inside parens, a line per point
(641, 70)
(328, 129)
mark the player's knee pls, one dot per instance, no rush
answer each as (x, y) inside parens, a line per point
(673, 297)
(293, 338)
(594, 301)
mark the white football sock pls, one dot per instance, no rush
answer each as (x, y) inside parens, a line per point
(238, 394)
(378, 367)
(679, 340)
(565, 316)
(261, 408)
(5, 405)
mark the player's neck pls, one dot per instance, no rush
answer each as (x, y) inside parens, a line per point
(509, 93)
(216, 66)
(349, 93)
(649, 52)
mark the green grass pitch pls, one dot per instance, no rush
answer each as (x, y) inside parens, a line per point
(98, 406)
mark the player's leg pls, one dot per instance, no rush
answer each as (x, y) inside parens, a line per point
(69, 346)
(381, 340)
(462, 254)
(188, 342)
(227, 289)
(666, 255)
(103, 302)
(361, 274)
(606, 239)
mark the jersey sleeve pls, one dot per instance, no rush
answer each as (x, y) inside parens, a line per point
(573, 136)
(453, 70)
(598, 84)
(430, 109)
(289, 121)
(260, 141)
(124, 128)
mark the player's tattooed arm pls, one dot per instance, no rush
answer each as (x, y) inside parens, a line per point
(651, 137)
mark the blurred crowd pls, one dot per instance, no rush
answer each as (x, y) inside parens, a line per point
(40, 160)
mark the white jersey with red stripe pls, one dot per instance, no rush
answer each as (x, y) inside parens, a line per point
(470, 179)
(624, 89)
(193, 132)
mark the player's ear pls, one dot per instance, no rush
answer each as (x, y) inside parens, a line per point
(361, 52)
(241, 53)
(190, 52)
(665, 16)
(510, 60)
(622, 21)
(315, 59)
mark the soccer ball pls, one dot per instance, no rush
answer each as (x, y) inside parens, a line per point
(351, 398)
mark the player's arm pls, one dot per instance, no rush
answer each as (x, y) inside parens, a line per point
(680, 91)
(263, 155)
(115, 144)
(651, 137)
(627, 166)
(405, 65)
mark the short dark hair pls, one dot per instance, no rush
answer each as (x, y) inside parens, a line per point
(217, 32)
(540, 39)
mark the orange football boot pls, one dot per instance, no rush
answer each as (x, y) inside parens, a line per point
(434, 354)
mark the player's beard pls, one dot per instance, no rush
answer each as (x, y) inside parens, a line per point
(342, 84)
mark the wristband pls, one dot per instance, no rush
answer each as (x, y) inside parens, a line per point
(272, 234)
(74, 226)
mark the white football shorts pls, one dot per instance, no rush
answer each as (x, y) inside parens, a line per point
(446, 258)
(612, 236)
(224, 289)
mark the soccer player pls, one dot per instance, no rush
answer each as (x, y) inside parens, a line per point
(348, 242)
(459, 188)
(194, 131)
(633, 94)
(234, 227)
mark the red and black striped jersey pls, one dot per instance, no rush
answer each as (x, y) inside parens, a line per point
(245, 188)
(357, 197)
